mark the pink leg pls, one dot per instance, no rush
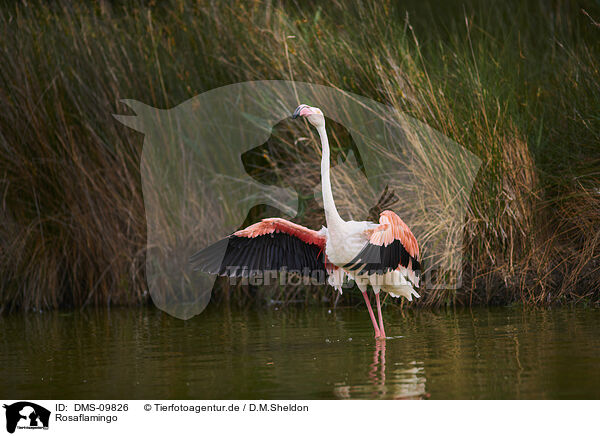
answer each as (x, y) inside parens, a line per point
(381, 329)
(377, 334)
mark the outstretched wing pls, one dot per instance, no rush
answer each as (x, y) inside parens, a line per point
(274, 244)
(391, 246)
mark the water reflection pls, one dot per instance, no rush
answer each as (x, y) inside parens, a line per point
(406, 381)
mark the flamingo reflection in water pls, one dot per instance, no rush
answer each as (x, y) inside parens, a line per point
(406, 381)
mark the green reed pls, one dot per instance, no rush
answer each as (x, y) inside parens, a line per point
(518, 84)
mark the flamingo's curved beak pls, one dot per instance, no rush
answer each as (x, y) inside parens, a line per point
(301, 111)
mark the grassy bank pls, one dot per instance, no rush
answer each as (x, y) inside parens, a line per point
(518, 84)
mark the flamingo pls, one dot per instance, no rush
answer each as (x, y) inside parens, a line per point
(384, 255)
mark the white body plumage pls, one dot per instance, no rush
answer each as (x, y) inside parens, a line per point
(344, 244)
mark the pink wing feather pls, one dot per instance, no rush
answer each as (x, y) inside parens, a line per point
(391, 246)
(276, 225)
(393, 228)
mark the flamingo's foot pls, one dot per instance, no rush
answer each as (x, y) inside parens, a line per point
(380, 337)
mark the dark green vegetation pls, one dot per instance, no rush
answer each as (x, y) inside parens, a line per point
(302, 353)
(517, 83)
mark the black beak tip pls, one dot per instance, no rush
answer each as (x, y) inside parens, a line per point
(297, 111)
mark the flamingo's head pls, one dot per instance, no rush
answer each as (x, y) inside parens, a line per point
(312, 114)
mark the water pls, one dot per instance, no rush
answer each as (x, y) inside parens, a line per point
(301, 353)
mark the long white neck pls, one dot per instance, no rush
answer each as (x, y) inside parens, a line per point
(331, 214)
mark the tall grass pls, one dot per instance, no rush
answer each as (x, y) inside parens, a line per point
(518, 84)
